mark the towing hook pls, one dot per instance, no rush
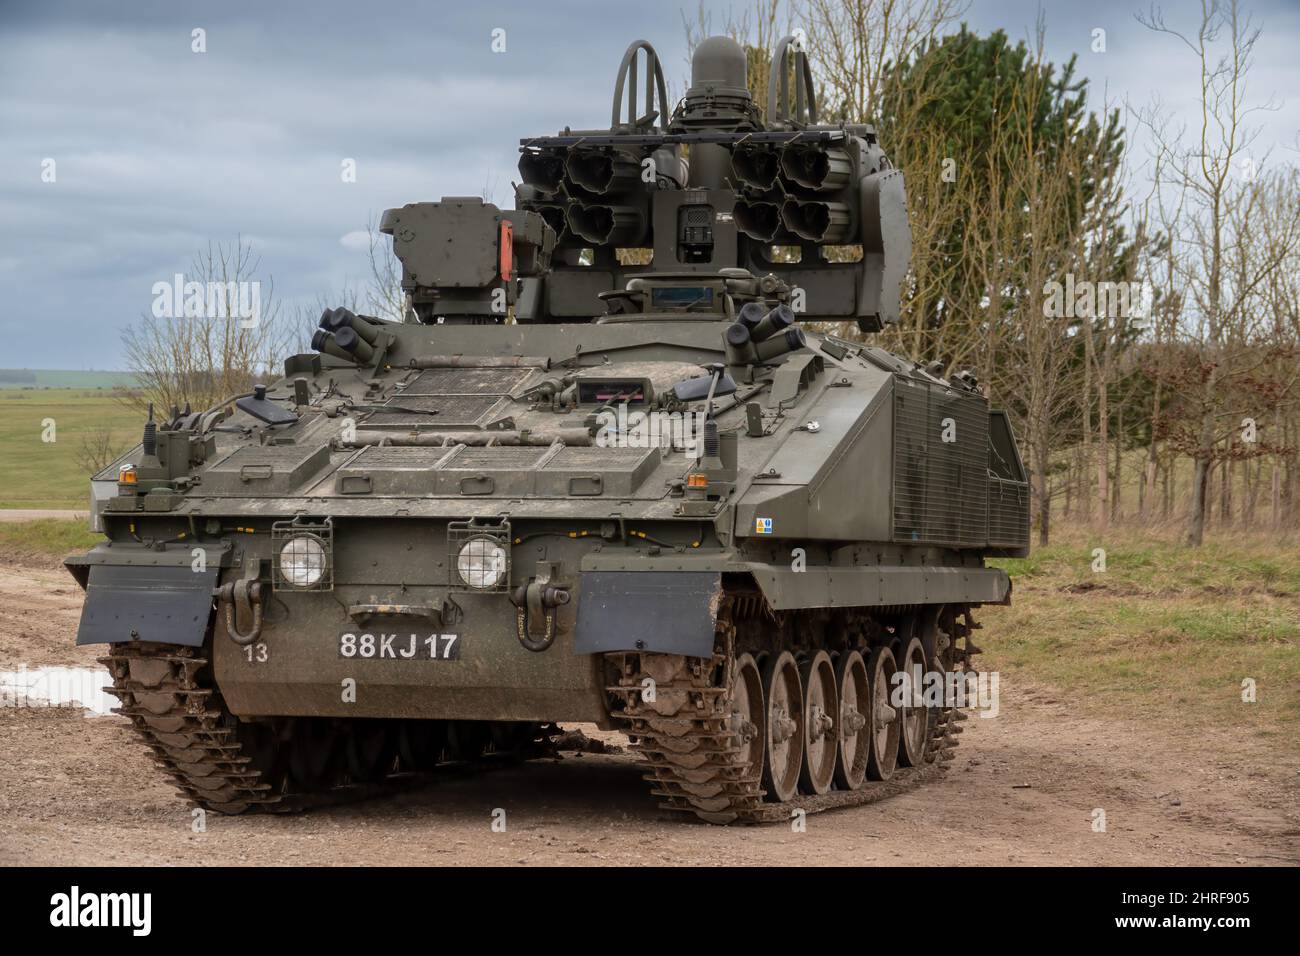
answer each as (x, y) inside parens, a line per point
(246, 596)
(535, 604)
(535, 592)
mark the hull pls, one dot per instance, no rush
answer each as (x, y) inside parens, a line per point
(650, 492)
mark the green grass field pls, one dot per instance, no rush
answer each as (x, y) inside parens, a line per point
(1165, 632)
(63, 378)
(41, 474)
(46, 537)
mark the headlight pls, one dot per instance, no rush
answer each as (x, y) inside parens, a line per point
(481, 563)
(302, 561)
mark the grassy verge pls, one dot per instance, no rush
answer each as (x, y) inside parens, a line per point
(46, 537)
(1164, 632)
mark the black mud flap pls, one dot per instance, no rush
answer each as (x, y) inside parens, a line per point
(138, 603)
(671, 612)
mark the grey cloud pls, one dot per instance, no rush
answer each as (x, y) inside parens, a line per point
(160, 150)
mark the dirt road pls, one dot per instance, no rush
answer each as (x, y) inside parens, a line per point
(33, 514)
(1024, 788)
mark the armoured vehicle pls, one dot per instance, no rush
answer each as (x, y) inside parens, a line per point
(615, 467)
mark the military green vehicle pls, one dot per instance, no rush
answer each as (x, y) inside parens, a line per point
(614, 468)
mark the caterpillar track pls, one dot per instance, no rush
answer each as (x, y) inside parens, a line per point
(286, 765)
(706, 749)
(702, 744)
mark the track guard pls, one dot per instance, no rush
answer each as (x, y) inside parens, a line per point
(669, 612)
(166, 605)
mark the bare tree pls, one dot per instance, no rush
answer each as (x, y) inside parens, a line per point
(211, 338)
(1105, 325)
(855, 44)
(384, 296)
(1040, 367)
(1217, 173)
(1160, 270)
(98, 449)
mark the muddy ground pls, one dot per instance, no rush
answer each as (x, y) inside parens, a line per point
(1023, 790)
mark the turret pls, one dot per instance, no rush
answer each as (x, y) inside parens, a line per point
(619, 200)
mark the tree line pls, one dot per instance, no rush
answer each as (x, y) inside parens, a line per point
(1137, 311)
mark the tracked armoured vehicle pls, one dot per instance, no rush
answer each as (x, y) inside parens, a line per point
(614, 468)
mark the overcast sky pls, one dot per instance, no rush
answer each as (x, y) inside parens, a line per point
(158, 149)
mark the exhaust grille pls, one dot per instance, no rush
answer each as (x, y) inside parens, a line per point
(1008, 513)
(940, 485)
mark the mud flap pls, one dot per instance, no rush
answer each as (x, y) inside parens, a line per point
(671, 612)
(138, 603)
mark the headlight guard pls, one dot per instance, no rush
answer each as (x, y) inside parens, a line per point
(478, 554)
(302, 553)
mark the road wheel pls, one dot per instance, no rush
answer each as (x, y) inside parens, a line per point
(748, 716)
(371, 749)
(420, 743)
(915, 723)
(820, 720)
(784, 751)
(885, 725)
(853, 733)
(313, 753)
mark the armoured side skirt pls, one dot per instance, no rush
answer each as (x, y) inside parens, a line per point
(786, 589)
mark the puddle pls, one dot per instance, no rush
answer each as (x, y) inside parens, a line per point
(58, 687)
